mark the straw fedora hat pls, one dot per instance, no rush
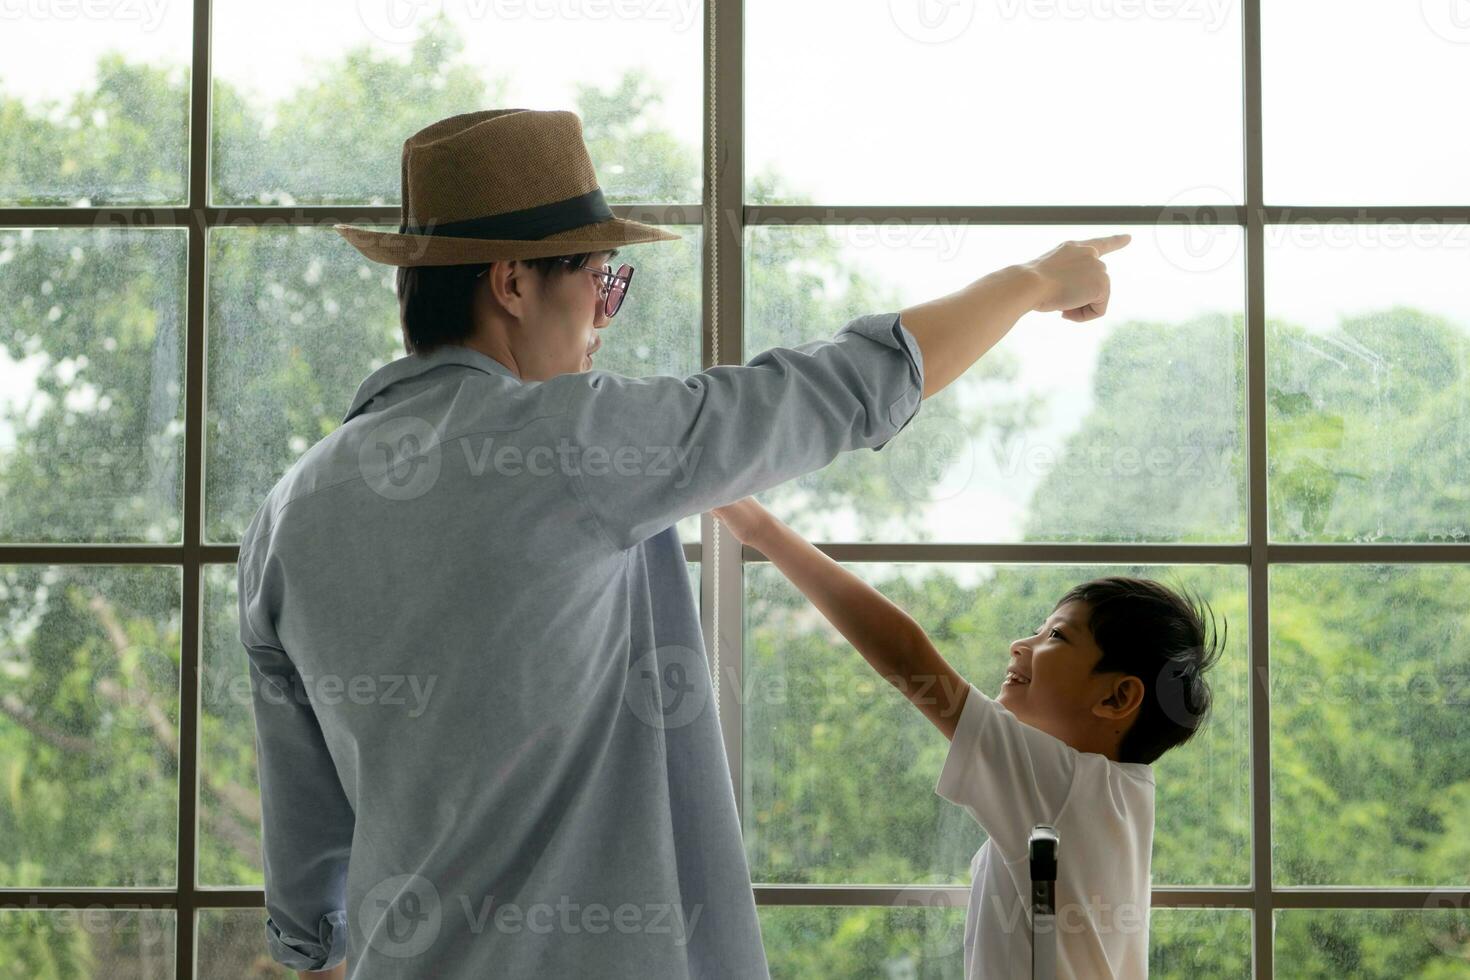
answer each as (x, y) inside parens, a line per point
(499, 184)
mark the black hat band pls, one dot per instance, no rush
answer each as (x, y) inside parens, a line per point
(527, 224)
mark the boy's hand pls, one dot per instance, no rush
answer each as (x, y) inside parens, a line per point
(745, 518)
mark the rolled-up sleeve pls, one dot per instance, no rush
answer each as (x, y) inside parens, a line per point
(306, 819)
(651, 451)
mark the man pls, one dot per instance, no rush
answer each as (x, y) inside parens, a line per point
(485, 726)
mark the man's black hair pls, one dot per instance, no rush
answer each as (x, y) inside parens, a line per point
(434, 301)
(1158, 635)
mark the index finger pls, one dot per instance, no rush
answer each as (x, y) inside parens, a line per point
(1108, 243)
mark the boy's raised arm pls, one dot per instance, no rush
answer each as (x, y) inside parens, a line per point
(888, 638)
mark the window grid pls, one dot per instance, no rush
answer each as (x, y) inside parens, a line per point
(722, 586)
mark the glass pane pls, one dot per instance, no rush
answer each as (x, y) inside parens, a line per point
(319, 113)
(229, 788)
(847, 943)
(90, 730)
(91, 384)
(1130, 428)
(231, 943)
(1372, 944)
(1387, 130)
(90, 941)
(1199, 944)
(1370, 753)
(820, 725)
(972, 103)
(298, 318)
(1368, 382)
(94, 103)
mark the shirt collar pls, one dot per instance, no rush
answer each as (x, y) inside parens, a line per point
(413, 365)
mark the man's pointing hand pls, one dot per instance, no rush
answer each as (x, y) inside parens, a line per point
(1075, 279)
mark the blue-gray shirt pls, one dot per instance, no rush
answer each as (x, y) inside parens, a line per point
(485, 725)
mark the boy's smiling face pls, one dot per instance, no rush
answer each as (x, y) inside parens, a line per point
(1090, 712)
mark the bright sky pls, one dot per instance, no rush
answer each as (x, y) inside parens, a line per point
(953, 101)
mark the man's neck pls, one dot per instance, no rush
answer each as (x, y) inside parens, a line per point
(497, 351)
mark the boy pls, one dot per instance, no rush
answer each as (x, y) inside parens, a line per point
(1111, 681)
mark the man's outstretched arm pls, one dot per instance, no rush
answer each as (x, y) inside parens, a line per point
(956, 330)
(657, 449)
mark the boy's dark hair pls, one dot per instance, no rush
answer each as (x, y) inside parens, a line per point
(434, 305)
(1158, 635)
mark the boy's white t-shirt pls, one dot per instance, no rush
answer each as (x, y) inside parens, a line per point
(1010, 777)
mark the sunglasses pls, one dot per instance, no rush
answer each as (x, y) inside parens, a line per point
(614, 284)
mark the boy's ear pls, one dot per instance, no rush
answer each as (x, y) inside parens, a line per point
(1123, 693)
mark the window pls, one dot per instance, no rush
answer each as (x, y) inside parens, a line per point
(1275, 412)
(1014, 102)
